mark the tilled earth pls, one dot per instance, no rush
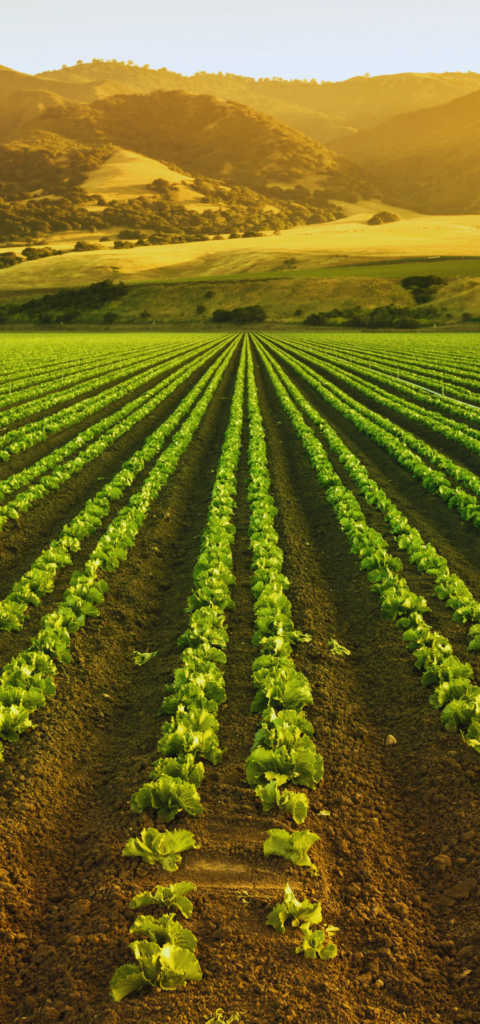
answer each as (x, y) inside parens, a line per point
(399, 856)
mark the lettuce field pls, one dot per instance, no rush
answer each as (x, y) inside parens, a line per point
(240, 678)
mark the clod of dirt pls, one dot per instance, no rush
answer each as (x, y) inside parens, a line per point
(442, 863)
(462, 890)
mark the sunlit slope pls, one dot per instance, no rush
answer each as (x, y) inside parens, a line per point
(430, 158)
(126, 174)
(311, 245)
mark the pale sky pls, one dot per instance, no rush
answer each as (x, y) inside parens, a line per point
(322, 39)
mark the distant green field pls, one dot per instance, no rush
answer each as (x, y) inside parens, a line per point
(448, 267)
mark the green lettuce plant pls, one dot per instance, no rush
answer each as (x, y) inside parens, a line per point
(164, 929)
(142, 658)
(164, 848)
(168, 796)
(303, 915)
(272, 796)
(292, 846)
(166, 967)
(168, 897)
(337, 648)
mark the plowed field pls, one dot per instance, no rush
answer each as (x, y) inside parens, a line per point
(398, 856)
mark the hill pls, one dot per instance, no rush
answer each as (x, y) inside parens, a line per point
(206, 136)
(428, 158)
(323, 110)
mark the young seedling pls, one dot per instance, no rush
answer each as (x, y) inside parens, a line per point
(337, 648)
(141, 659)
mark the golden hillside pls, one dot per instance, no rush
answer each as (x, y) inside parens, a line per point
(429, 158)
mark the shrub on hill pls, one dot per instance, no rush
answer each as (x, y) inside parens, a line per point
(48, 162)
(9, 259)
(66, 303)
(240, 315)
(241, 211)
(36, 253)
(83, 246)
(423, 286)
(383, 217)
(374, 319)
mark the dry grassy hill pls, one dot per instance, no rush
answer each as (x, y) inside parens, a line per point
(323, 110)
(429, 158)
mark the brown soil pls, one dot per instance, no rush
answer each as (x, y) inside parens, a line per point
(407, 934)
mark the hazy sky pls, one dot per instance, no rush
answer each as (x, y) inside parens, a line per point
(322, 39)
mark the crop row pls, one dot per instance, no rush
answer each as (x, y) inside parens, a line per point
(29, 359)
(393, 370)
(24, 437)
(397, 384)
(464, 502)
(59, 468)
(437, 363)
(432, 455)
(38, 405)
(39, 579)
(165, 959)
(431, 651)
(85, 373)
(282, 750)
(449, 587)
(461, 433)
(28, 678)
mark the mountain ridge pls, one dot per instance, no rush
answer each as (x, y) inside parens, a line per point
(323, 110)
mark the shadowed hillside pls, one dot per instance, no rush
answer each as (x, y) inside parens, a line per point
(429, 158)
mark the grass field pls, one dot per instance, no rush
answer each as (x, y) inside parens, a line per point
(315, 248)
(158, 495)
